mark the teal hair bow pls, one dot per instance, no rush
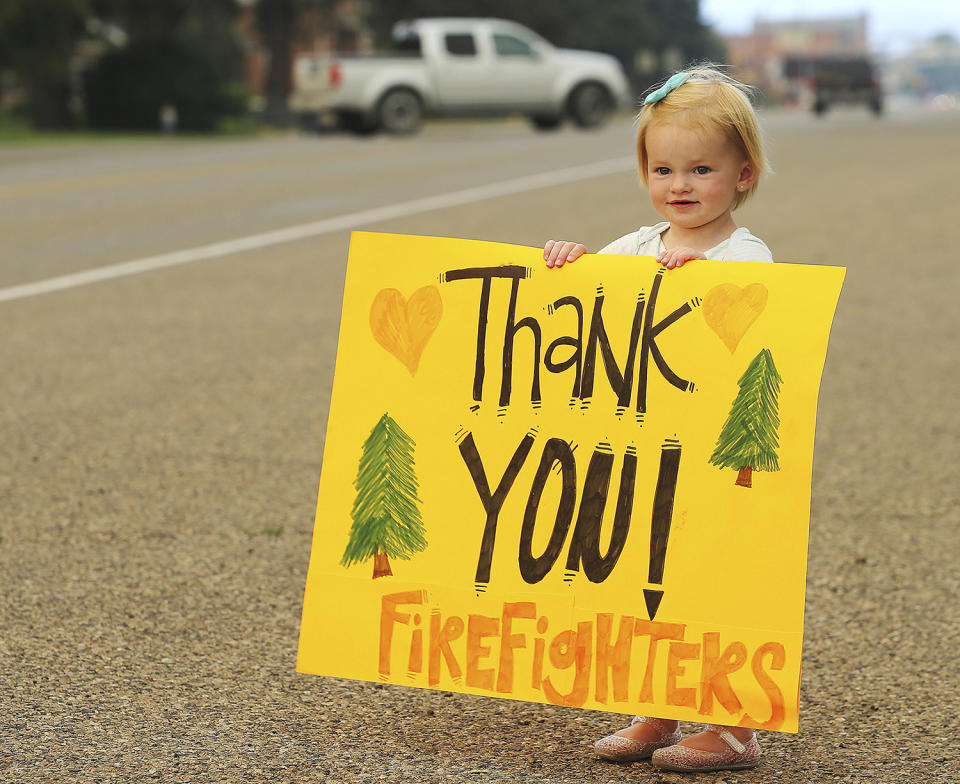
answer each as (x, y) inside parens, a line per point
(671, 84)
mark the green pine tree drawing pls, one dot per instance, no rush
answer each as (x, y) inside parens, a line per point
(386, 515)
(748, 441)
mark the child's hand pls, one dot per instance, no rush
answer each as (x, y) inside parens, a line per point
(677, 257)
(557, 252)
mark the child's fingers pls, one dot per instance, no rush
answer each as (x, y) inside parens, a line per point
(574, 250)
(551, 251)
(677, 257)
(559, 253)
(564, 253)
(687, 255)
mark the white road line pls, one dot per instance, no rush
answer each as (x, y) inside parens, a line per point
(328, 225)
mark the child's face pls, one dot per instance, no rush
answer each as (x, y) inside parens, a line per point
(693, 176)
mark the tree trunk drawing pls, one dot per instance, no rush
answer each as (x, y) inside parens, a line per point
(744, 477)
(381, 565)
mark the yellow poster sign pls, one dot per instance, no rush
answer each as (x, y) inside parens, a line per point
(587, 486)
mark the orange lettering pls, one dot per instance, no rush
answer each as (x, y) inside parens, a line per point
(478, 627)
(388, 617)
(714, 671)
(510, 641)
(777, 708)
(440, 639)
(678, 652)
(657, 631)
(613, 657)
(571, 648)
(415, 660)
(539, 646)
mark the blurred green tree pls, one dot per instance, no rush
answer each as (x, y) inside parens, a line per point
(167, 19)
(40, 45)
(37, 41)
(128, 88)
(182, 53)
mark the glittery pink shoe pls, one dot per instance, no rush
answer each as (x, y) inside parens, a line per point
(619, 749)
(684, 759)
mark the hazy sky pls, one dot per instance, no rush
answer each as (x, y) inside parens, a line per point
(893, 25)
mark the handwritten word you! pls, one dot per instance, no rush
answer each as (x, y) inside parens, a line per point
(585, 542)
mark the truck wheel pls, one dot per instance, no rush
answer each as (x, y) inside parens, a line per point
(590, 105)
(400, 112)
(546, 122)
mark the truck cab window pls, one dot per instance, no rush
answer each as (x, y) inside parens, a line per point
(409, 43)
(461, 44)
(510, 46)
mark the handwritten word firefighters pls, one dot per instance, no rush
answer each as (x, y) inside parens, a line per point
(488, 657)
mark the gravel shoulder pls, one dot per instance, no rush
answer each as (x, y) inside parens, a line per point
(161, 445)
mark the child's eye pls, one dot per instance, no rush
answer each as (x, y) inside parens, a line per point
(702, 170)
(662, 171)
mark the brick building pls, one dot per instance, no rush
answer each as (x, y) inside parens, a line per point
(777, 55)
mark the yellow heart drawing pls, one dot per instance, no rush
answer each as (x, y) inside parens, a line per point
(730, 310)
(402, 326)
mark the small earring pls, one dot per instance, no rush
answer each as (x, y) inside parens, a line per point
(739, 187)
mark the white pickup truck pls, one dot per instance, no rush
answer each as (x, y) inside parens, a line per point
(459, 67)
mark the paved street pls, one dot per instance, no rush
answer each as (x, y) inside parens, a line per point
(161, 437)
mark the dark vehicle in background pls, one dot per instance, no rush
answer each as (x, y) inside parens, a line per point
(846, 81)
(838, 80)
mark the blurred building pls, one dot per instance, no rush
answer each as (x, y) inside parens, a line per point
(929, 70)
(777, 57)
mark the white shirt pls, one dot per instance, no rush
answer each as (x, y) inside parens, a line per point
(647, 241)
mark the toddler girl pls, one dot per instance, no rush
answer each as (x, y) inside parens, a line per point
(700, 155)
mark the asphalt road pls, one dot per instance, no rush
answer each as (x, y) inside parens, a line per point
(161, 437)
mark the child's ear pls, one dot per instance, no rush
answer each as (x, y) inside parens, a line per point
(748, 176)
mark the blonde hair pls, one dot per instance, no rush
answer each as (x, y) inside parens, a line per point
(709, 101)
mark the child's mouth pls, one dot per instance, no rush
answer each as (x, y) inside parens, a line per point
(682, 203)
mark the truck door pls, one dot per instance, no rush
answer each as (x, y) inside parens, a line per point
(522, 74)
(461, 70)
